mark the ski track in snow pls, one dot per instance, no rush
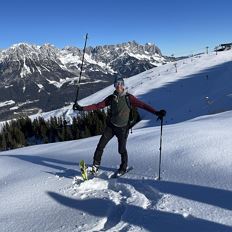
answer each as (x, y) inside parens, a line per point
(124, 196)
(120, 193)
(121, 197)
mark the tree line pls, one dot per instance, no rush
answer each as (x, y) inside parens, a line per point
(25, 131)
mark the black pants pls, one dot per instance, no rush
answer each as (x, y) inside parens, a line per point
(110, 131)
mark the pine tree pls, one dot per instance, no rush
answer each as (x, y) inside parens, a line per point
(74, 129)
(18, 138)
(43, 130)
(3, 142)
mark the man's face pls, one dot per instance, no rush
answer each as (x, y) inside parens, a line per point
(119, 86)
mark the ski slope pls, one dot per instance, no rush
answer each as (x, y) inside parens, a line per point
(201, 86)
(41, 189)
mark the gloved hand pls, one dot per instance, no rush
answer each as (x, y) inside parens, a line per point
(76, 106)
(160, 114)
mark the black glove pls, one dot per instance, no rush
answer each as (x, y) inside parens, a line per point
(76, 106)
(160, 114)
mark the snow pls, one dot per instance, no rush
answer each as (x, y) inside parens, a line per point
(39, 192)
(158, 59)
(20, 105)
(41, 188)
(71, 81)
(69, 58)
(41, 87)
(6, 103)
(63, 81)
(25, 70)
(8, 86)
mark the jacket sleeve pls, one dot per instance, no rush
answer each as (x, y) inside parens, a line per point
(140, 104)
(98, 106)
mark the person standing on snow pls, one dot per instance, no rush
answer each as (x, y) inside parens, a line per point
(117, 124)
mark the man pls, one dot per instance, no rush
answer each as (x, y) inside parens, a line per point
(118, 122)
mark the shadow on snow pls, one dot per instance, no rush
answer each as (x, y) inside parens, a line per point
(207, 92)
(149, 219)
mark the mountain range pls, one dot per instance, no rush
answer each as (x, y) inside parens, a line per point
(42, 78)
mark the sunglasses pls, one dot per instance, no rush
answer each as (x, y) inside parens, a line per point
(121, 83)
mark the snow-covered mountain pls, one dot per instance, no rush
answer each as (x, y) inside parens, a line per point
(41, 78)
(41, 189)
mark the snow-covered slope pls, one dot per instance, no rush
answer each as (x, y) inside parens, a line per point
(201, 86)
(38, 191)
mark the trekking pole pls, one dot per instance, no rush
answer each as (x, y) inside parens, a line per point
(161, 131)
(79, 82)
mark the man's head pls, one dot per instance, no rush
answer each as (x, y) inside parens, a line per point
(119, 84)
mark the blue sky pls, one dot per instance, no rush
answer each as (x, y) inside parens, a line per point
(176, 26)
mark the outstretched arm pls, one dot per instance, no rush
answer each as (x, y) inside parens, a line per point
(97, 106)
(140, 104)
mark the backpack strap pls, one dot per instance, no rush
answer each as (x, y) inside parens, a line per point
(130, 107)
(110, 97)
(128, 101)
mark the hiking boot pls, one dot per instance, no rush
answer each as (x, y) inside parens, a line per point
(94, 170)
(121, 171)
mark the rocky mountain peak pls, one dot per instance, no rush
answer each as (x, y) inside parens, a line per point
(24, 51)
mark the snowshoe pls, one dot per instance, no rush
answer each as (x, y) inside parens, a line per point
(84, 170)
(120, 172)
(94, 170)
